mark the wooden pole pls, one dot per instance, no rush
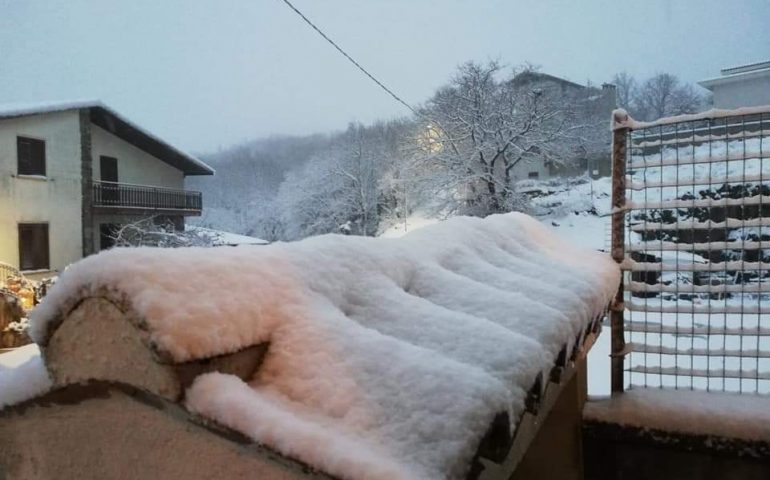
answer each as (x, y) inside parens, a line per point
(620, 133)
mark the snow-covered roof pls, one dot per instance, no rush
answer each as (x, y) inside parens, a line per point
(110, 120)
(386, 358)
(746, 67)
(228, 238)
(738, 74)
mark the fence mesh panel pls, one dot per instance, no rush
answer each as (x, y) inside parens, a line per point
(697, 253)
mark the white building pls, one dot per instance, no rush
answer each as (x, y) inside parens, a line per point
(71, 172)
(743, 86)
(588, 104)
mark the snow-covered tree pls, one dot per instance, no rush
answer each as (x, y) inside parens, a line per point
(345, 187)
(155, 232)
(480, 127)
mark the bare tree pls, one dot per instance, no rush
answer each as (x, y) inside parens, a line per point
(150, 232)
(626, 89)
(482, 127)
(664, 95)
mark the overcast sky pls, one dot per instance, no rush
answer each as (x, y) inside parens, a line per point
(205, 74)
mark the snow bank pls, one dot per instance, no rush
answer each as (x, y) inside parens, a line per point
(387, 358)
(742, 416)
(22, 375)
(222, 238)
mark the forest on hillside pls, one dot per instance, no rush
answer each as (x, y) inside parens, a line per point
(464, 151)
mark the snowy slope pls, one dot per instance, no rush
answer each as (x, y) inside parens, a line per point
(387, 358)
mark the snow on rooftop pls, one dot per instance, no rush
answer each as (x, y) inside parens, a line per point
(228, 238)
(17, 109)
(743, 416)
(387, 358)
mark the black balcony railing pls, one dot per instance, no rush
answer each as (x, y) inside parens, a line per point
(126, 195)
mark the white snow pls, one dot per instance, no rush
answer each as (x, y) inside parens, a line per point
(22, 375)
(743, 416)
(388, 358)
(414, 221)
(623, 120)
(222, 238)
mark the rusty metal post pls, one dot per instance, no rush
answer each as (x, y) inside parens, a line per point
(620, 133)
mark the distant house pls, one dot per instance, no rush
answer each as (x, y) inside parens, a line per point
(742, 86)
(71, 172)
(590, 105)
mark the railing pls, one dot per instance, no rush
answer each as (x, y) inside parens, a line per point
(691, 229)
(6, 272)
(126, 195)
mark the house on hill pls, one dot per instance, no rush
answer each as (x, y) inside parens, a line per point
(742, 86)
(71, 172)
(586, 104)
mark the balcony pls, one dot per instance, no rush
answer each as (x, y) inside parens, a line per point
(126, 196)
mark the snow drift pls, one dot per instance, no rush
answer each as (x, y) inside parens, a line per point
(387, 358)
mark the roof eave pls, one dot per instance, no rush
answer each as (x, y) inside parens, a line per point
(119, 126)
(709, 83)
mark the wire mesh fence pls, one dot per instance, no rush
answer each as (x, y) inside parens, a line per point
(693, 204)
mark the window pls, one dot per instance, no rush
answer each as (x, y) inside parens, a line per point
(33, 246)
(31, 155)
(534, 174)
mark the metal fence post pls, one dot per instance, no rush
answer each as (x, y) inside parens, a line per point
(618, 343)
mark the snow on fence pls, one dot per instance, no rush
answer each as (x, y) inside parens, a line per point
(691, 230)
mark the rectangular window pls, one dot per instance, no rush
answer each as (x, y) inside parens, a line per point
(534, 174)
(31, 155)
(33, 246)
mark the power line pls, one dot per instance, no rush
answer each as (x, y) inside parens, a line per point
(339, 49)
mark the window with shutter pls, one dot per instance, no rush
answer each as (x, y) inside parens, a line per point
(31, 156)
(33, 246)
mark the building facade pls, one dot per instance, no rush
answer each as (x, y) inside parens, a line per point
(743, 86)
(584, 104)
(71, 173)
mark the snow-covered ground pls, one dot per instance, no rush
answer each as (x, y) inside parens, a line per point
(578, 212)
(415, 221)
(222, 238)
(744, 416)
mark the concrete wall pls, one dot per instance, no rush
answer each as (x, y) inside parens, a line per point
(748, 92)
(134, 165)
(616, 452)
(523, 168)
(54, 199)
(96, 432)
